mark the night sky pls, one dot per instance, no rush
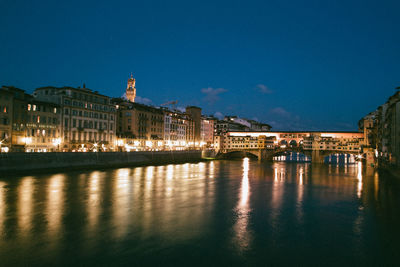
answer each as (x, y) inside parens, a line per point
(316, 65)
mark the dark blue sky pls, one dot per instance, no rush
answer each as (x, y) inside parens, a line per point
(294, 64)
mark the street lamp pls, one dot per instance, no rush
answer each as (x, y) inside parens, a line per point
(57, 142)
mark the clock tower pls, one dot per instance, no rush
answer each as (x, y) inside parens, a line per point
(130, 89)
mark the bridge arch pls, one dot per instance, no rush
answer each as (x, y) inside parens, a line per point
(283, 142)
(240, 154)
(293, 143)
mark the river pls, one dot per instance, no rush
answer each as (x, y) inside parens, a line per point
(228, 212)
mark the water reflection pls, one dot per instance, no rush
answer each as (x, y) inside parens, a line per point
(25, 204)
(176, 211)
(121, 202)
(359, 178)
(93, 203)
(243, 235)
(2, 206)
(55, 204)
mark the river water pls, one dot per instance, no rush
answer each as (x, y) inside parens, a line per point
(224, 213)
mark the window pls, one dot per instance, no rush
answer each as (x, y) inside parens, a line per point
(29, 107)
(74, 123)
(66, 122)
(34, 107)
(66, 111)
(54, 110)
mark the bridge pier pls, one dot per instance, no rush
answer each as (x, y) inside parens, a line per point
(316, 157)
(265, 155)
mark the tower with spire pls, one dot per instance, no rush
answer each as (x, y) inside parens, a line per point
(130, 89)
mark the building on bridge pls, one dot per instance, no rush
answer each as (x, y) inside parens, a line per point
(315, 144)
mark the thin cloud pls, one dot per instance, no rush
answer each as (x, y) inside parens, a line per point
(219, 115)
(139, 99)
(262, 88)
(143, 100)
(212, 95)
(281, 112)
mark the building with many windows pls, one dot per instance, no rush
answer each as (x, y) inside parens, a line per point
(42, 126)
(19, 116)
(207, 131)
(382, 130)
(140, 127)
(175, 127)
(6, 111)
(88, 119)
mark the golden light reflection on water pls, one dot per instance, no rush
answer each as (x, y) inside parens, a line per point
(25, 204)
(55, 203)
(93, 204)
(360, 179)
(301, 176)
(2, 205)
(212, 170)
(170, 172)
(376, 185)
(276, 198)
(300, 193)
(243, 236)
(121, 202)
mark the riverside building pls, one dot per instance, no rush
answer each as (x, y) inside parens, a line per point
(6, 111)
(207, 131)
(175, 127)
(140, 127)
(382, 130)
(87, 118)
(43, 133)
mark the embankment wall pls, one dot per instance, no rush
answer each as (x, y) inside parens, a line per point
(24, 162)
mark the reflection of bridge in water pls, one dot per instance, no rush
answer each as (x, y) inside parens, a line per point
(292, 157)
(303, 146)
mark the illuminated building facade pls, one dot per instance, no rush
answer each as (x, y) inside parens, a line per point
(6, 111)
(87, 118)
(194, 125)
(207, 130)
(175, 126)
(139, 126)
(43, 133)
(382, 129)
(19, 113)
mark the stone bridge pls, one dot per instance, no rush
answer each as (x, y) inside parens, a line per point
(266, 145)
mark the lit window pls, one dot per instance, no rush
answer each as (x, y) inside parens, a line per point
(38, 118)
(34, 108)
(55, 110)
(29, 107)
